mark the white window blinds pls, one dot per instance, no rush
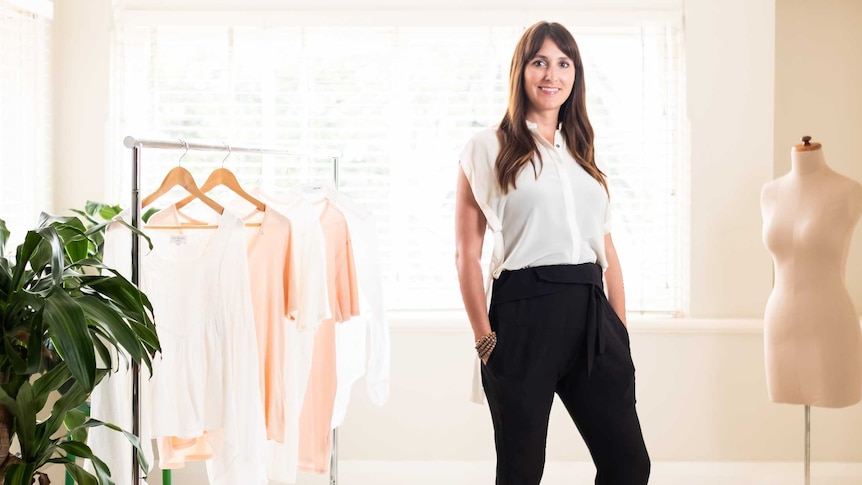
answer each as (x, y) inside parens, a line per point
(25, 115)
(399, 103)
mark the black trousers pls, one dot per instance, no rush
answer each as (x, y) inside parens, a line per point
(556, 332)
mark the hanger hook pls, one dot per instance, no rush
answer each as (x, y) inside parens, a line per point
(186, 147)
(226, 156)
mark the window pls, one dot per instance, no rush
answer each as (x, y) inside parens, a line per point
(25, 115)
(398, 103)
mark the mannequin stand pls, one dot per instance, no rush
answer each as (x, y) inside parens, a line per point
(333, 459)
(807, 445)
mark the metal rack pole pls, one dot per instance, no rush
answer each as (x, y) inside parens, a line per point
(807, 444)
(333, 458)
(136, 252)
(132, 142)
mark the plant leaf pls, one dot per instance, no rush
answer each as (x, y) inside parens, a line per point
(100, 228)
(4, 236)
(93, 207)
(58, 263)
(5, 278)
(73, 398)
(79, 449)
(74, 239)
(109, 212)
(50, 382)
(46, 220)
(25, 425)
(109, 317)
(73, 421)
(20, 474)
(71, 337)
(22, 256)
(81, 476)
(146, 216)
(10, 403)
(86, 216)
(139, 232)
(19, 365)
(105, 355)
(134, 440)
(124, 294)
(34, 346)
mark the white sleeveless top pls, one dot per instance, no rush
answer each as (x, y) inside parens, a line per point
(560, 217)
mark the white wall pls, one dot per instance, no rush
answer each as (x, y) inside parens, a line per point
(730, 83)
(82, 46)
(818, 74)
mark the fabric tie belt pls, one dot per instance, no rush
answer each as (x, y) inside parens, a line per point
(528, 283)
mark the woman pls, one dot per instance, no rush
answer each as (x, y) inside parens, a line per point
(534, 181)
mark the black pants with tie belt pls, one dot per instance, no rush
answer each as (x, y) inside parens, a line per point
(557, 333)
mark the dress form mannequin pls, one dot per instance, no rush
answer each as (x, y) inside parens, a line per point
(812, 337)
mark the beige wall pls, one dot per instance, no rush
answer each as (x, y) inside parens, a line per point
(730, 83)
(82, 46)
(818, 92)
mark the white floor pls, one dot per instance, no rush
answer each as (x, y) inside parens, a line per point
(567, 473)
(476, 473)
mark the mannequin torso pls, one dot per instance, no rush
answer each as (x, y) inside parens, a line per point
(813, 343)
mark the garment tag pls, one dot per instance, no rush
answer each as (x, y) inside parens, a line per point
(178, 239)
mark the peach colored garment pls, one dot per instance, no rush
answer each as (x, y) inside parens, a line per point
(315, 425)
(272, 292)
(175, 452)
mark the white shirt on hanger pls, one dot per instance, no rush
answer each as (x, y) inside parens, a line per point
(205, 381)
(364, 339)
(309, 261)
(239, 443)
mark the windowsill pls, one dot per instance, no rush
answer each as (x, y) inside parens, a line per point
(456, 321)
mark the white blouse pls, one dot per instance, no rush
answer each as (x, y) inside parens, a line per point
(559, 217)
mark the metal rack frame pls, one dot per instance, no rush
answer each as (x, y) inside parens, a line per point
(137, 146)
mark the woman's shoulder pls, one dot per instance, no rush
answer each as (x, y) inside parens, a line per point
(482, 144)
(479, 156)
(486, 138)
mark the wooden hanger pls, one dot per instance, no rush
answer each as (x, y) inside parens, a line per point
(181, 177)
(226, 178)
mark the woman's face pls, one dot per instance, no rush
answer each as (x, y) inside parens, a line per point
(548, 80)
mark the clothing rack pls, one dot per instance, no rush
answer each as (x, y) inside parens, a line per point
(137, 145)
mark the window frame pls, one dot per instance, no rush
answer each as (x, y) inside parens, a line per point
(576, 20)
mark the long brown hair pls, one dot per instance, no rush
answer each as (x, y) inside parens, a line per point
(517, 146)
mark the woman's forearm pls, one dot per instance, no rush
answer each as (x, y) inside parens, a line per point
(473, 295)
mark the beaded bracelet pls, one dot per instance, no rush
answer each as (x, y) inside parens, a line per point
(486, 344)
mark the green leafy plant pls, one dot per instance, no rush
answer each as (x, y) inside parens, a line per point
(97, 215)
(60, 308)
